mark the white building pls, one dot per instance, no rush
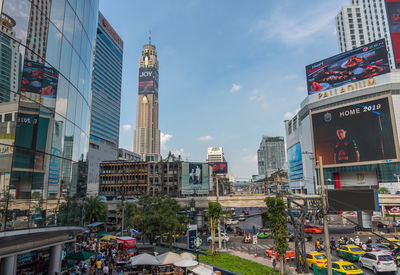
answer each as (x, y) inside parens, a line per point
(363, 22)
(215, 154)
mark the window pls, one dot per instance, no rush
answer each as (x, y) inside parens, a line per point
(350, 20)
(8, 117)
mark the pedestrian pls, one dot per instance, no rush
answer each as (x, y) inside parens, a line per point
(110, 267)
(98, 266)
(254, 229)
(105, 270)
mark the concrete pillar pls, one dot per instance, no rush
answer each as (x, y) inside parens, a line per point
(9, 265)
(365, 219)
(55, 260)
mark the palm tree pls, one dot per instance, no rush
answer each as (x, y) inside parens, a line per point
(95, 209)
(214, 213)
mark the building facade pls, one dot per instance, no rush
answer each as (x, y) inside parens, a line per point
(363, 22)
(147, 135)
(105, 101)
(215, 154)
(46, 60)
(124, 154)
(271, 155)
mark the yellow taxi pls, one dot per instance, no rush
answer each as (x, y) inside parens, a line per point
(390, 242)
(342, 268)
(315, 258)
(350, 252)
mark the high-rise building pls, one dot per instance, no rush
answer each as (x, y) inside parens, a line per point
(106, 101)
(147, 135)
(361, 23)
(215, 154)
(271, 155)
(45, 85)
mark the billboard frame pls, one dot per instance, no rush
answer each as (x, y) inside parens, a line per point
(395, 134)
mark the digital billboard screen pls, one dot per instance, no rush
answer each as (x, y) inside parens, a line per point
(194, 178)
(355, 133)
(39, 79)
(353, 200)
(393, 16)
(148, 81)
(295, 162)
(361, 63)
(220, 167)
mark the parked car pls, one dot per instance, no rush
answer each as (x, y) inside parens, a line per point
(242, 218)
(246, 212)
(231, 221)
(349, 252)
(312, 229)
(378, 262)
(224, 238)
(271, 253)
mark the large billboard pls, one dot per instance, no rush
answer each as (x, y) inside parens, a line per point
(361, 63)
(194, 178)
(353, 200)
(148, 81)
(393, 16)
(355, 133)
(365, 179)
(295, 162)
(219, 167)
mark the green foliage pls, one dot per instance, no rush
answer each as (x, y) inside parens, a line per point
(236, 264)
(70, 212)
(192, 203)
(214, 213)
(95, 210)
(277, 223)
(383, 190)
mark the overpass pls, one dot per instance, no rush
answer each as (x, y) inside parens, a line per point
(244, 201)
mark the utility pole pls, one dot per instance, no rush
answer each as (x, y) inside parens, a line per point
(218, 224)
(324, 211)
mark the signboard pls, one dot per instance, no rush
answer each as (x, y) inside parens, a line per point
(349, 67)
(295, 162)
(393, 16)
(194, 178)
(355, 133)
(192, 234)
(220, 167)
(148, 81)
(363, 179)
(353, 200)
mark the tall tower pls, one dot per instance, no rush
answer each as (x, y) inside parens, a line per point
(147, 135)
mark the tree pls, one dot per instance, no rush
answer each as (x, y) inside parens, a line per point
(214, 213)
(95, 210)
(383, 190)
(277, 223)
(192, 203)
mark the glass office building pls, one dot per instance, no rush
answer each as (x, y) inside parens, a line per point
(45, 87)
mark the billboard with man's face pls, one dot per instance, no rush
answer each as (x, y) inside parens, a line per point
(148, 81)
(355, 134)
(348, 67)
(194, 178)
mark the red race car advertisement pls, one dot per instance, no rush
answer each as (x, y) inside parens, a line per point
(39, 79)
(348, 67)
(393, 16)
(220, 168)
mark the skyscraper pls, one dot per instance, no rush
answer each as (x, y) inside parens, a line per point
(271, 155)
(106, 101)
(147, 135)
(361, 23)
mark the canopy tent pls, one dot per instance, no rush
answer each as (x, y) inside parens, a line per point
(186, 263)
(200, 270)
(187, 256)
(81, 255)
(144, 259)
(168, 258)
(95, 224)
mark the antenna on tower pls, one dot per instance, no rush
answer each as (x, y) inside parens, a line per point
(149, 37)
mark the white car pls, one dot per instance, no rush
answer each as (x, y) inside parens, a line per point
(378, 262)
(242, 218)
(224, 238)
(231, 221)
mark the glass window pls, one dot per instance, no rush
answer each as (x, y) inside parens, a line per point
(78, 117)
(18, 10)
(65, 62)
(53, 47)
(43, 138)
(79, 9)
(62, 96)
(73, 4)
(84, 144)
(8, 117)
(81, 84)
(57, 13)
(71, 103)
(77, 36)
(74, 78)
(69, 23)
(27, 125)
(58, 135)
(76, 150)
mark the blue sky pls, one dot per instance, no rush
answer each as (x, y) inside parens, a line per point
(231, 71)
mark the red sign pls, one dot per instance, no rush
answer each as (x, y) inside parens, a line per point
(111, 31)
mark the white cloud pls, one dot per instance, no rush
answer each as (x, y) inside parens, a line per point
(164, 138)
(235, 88)
(206, 138)
(288, 115)
(290, 28)
(181, 152)
(250, 158)
(126, 127)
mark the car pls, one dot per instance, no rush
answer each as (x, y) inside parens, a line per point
(242, 218)
(390, 242)
(224, 238)
(378, 262)
(381, 225)
(376, 247)
(396, 223)
(315, 258)
(263, 233)
(246, 212)
(271, 253)
(350, 252)
(231, 221)
(340, 267)
(312, 229)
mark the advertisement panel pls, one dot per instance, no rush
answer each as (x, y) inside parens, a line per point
(349, 67)
(353, 200)
(355, 133)
(295, 162)
(194, 178)
(393, 16)
(148, 81)
(220, 167)
(358, 179)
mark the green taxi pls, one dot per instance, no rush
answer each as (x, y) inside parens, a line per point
(390, 242)
(349, 252)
